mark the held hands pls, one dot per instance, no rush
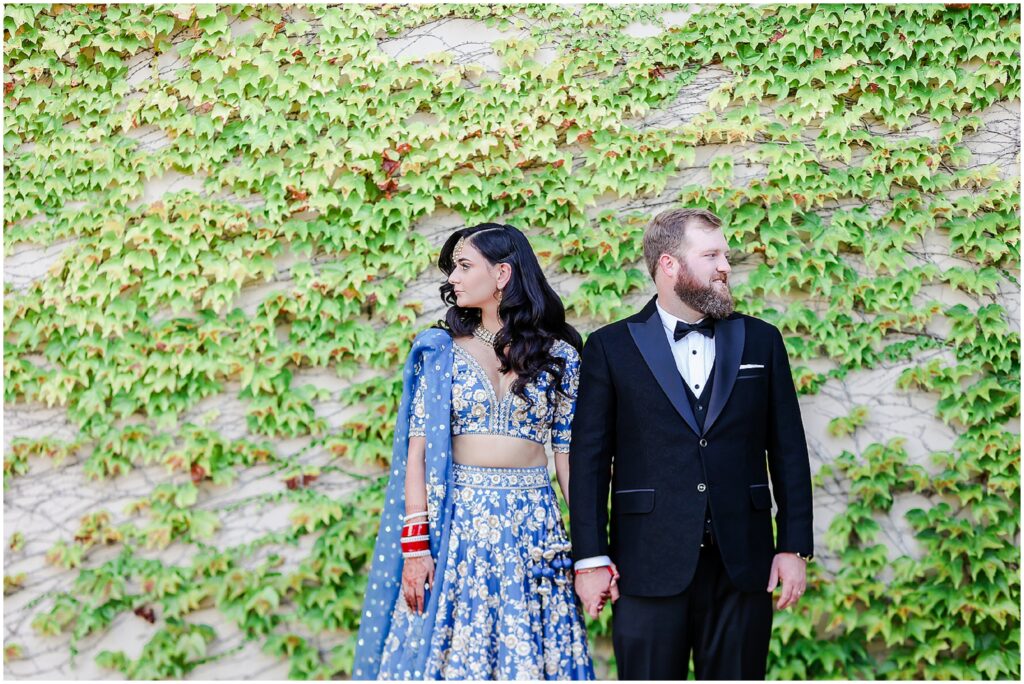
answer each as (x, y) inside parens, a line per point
(415, 573)
(595, 586)
(791, 570)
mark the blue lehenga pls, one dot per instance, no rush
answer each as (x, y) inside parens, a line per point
(502, 605)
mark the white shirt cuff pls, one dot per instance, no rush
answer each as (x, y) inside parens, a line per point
(592, 562)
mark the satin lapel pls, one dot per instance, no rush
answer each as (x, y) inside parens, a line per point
(729, 336)
(653, 345)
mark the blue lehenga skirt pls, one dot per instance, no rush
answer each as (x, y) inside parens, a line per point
(507, 607)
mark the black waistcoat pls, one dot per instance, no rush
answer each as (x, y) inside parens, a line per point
(699, 405)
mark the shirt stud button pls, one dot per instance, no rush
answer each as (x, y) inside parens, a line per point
(703, 442)
(701, 487)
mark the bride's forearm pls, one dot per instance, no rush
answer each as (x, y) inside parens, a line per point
(415, 476)
(562, 473)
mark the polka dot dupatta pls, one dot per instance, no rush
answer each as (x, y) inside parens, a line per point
(432, 352)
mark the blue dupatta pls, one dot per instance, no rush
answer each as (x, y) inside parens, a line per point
(432, 351)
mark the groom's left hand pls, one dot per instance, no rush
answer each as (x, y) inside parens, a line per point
(791, 570)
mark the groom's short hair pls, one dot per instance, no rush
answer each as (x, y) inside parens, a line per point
(667, 231)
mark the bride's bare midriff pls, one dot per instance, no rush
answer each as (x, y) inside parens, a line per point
(497, 451)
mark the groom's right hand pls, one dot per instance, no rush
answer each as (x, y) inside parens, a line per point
(595, 588)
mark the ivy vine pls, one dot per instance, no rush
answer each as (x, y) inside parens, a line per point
(859, 120)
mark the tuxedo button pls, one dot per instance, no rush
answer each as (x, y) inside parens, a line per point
(703, 442)
(701, 487)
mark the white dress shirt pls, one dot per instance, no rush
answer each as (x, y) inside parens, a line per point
(694, 356)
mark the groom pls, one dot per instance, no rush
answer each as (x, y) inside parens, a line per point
(686, 409)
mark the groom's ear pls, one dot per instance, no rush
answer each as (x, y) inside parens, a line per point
(668, 264)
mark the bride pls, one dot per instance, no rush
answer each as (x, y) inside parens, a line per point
(471, 574)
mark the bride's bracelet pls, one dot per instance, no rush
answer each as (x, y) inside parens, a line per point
(415, 539)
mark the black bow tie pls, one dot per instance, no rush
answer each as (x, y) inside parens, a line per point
(705, 327)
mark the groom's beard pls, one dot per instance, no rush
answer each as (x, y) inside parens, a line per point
(710, 299)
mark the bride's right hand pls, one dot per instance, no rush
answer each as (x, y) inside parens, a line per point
(415, 573)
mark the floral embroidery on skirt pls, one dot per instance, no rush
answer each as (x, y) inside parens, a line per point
(507, 608)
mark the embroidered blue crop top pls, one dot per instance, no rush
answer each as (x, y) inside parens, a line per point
(477, 410)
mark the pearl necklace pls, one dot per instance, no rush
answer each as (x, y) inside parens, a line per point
(485, 335)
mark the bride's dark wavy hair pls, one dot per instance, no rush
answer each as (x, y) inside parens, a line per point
(532, 314)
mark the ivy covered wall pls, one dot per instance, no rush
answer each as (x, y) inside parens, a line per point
(219, 227)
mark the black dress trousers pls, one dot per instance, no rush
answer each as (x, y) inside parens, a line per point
(727, 630)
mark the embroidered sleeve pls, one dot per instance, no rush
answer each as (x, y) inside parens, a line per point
(417, 413)
(561, 427)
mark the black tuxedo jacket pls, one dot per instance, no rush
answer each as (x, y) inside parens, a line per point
(634, 430)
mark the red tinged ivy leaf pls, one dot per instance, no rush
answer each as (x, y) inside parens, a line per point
(292, 483)
(957, 5)
(146, 613)
(204, 107)
(198, 473)
(296, 194)
(307, 479)
(388, 187)
(818, 53)
(584, 136)
(8, 87)
(656, 72)
(390, 166)
(558, 164)
(777, 36)
(297, 52)
(403, 148)
(872, 87)
(278, 26)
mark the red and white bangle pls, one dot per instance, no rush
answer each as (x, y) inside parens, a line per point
(416, 537)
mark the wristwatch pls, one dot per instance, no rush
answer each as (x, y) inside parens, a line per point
(807, 558)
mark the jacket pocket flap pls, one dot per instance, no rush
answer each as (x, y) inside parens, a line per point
(634, 501)
(760, 497)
